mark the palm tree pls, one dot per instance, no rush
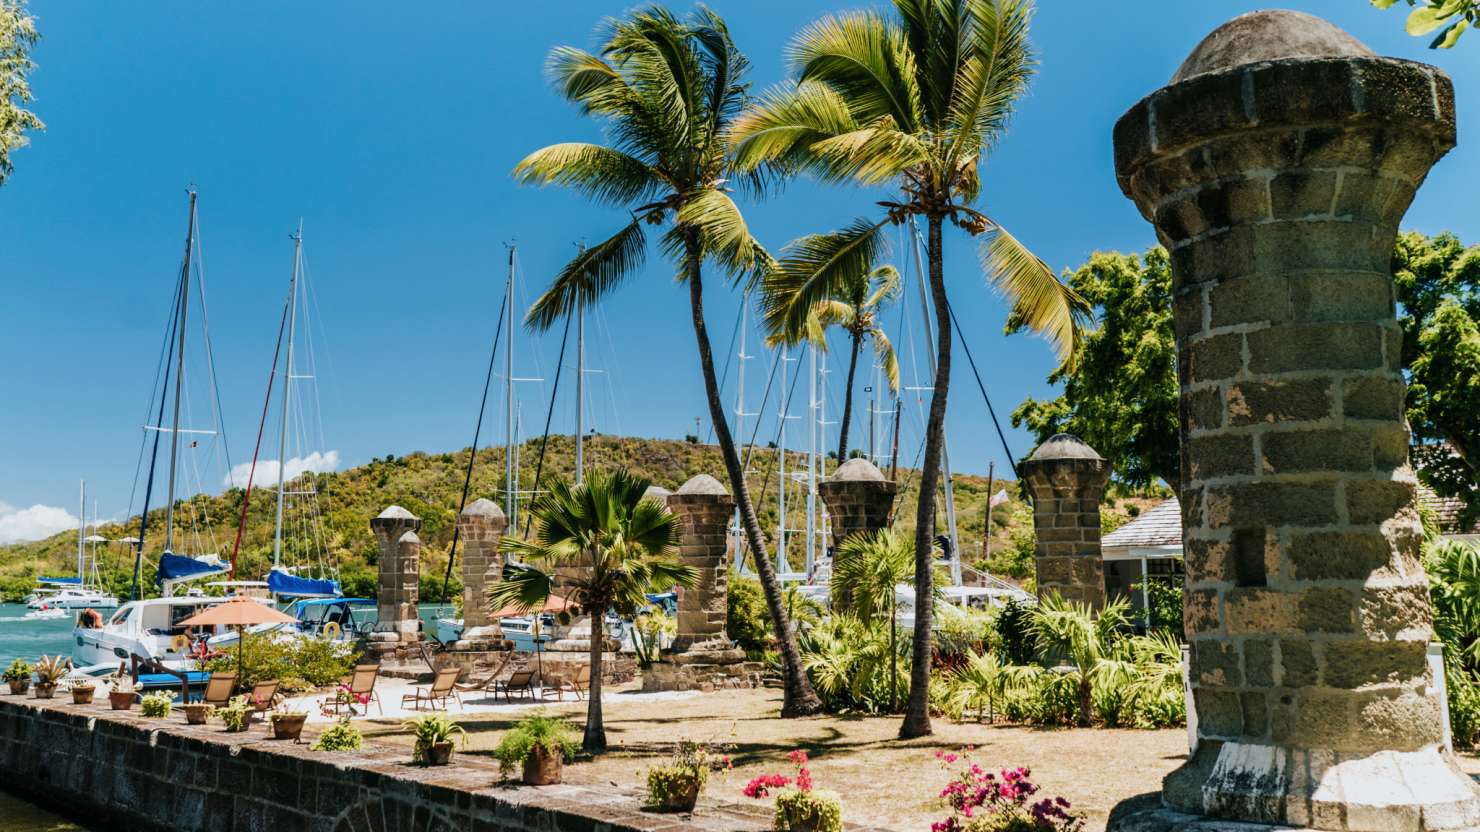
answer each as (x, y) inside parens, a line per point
(667, 90)
(1071, 634)
(616, 544)
(866, 572)
(913, 101)
(855, 308)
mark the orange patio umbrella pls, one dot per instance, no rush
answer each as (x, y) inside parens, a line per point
(552, 604)
(238, 613)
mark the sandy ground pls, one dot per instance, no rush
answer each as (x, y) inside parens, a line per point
(884, 782)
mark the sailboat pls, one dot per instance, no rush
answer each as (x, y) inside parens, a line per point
(74, 593)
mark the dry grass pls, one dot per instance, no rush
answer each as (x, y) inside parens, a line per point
(884, 782)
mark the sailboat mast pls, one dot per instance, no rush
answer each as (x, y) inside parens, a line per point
(81, 526)
(509, 397)
(169, 515)
(814, 415)
(277, 535)
(580, 393)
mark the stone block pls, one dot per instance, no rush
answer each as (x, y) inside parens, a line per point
(1272, 402)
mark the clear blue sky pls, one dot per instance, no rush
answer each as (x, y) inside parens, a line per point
(391, 129)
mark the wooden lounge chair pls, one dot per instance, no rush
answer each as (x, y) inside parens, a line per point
(521, 682)
(219, 689)
(489, 682)
(580, 685)
(444, 687)
(361, 686)
(260, 700)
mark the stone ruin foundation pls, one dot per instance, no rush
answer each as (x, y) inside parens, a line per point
(1067, 479)
(1276, 167)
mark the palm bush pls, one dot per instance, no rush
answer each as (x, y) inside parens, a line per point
(911, 100)
(867, 571)
(848, 661)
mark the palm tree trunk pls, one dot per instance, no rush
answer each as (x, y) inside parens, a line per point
(848, 402)
(1086, 700)
(798, 699)
(894, 656)
(594, 740)
(917, 710)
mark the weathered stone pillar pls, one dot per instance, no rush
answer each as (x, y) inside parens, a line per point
(1276, 167)
(481, 526)
(1068, 480)
(400, 573)
(703, 508)
(858, 499)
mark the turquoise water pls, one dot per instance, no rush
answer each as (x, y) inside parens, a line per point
(29, 640)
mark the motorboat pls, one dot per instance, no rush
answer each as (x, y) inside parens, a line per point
(148, 629)
(75, 598)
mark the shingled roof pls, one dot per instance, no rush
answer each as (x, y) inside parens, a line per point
(1446, 511)
(1160, 525)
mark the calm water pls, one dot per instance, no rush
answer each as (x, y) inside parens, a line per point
(29, 640)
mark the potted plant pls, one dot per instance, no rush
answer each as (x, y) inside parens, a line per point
(18, 676)
(434, 733)
(235, 714)
(287, 724)
(540, 744)
(157, 705)
(798, 807)
(196, 713)
(50, 670)
(120, 691)
(675, 787)
(341, 737)
(82, 691)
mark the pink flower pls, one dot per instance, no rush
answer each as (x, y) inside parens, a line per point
(798, 757)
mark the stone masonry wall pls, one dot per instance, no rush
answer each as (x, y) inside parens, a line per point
(1067, 480)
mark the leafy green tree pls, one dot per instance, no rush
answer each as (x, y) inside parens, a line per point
(866, 571)
(1071, 634)
(618, 546)
(1121, 394)
(912, 100)
(1450, 17)
(18, 36)
(667, 90)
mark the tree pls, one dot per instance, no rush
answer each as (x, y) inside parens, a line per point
(855, 308)
(17, 37)
(618, 545)
(667, 90)
(866, 571)
(1450, 17)
(914, 101)
(1121, 396)
(1070, 634)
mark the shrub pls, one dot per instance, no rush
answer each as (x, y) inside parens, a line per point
(746, 619)
(1165, 596)
(980, 801)
(552, 733)
(19, 671)
(156, 705)
(691, 764)
(797, 805)
(1014, 623)
(298, 663)
(234, 714)
(433, 729)
(958, 637)
(847, 661)
(342, 736)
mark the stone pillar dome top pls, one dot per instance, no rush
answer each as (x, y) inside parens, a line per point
(395, 513)
(482, 507)
(703, 484)
(1268, 35)
(857, 469)
(1065, 446)
(657, 492)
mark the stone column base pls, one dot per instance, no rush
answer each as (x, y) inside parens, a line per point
(706, 670)
(1413, 791)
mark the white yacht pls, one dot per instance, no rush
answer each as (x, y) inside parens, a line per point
(75, 593)
(75, 598)
(149, 628)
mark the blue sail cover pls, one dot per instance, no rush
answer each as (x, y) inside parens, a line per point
(179, 567)
(68, 581)
(283, 583)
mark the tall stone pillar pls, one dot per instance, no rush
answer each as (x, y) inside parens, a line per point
(858, 499)
(1067, 479)
(1276, 168)
(481, 525)
(400, 574)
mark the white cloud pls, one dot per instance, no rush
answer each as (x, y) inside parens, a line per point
(267, 469)
(21, 524)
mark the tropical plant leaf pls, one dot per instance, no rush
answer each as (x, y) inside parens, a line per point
(812, 270)
(782, 127)
(864, 57)
(590, 276)
(602, 173)
(1040, 301)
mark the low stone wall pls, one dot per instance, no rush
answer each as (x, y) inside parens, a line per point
(118, 770)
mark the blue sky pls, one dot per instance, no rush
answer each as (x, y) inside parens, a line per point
(391, 129)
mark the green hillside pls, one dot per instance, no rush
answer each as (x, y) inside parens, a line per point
(429, 485)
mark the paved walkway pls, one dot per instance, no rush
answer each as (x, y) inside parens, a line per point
(389, 691)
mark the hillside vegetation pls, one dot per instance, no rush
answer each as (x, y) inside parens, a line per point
(429, 485)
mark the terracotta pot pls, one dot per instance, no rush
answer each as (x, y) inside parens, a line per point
(288, 726)
(82, 696)
(45, 691)
(196, 713)
(121, 700)
(541, 768)
(440, 754)
(19, 688)
(682, 800)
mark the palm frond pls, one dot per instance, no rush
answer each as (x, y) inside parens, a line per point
(993, 76)
(864, 57)
(937, 32)
(887, 284)
(722, 230)
(872, 155)
(813, 269)
(884, 352)
(781, 128)
(593, 273)
(523, 588)
(609, 176)
(1040, 301)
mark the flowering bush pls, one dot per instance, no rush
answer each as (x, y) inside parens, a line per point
(798, 807)
(981, 801)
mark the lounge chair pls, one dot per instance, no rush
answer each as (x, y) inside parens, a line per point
(489, 682)
(218, 689)
(260, 700)
(580, 685)
(361, 687)
(521, 682)
(444, 687)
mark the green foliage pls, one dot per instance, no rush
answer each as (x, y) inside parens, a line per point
(746, 620)
(430, 586)
(1014, 631)
(156, 705)
(50, 670)
(430, 730)
(1454, 590)
(667, 782)
(1449, 17)
(18, 671)
(298, 664)
(551, 733)
(1165, 596)
(848, 662)
(1122, 396)
(648, 631)
(959, 636)
(341, 736)
(819, 810)
(18, 36)
(234, 714)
